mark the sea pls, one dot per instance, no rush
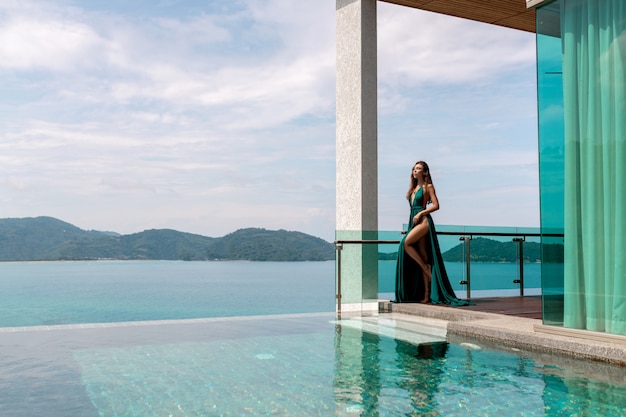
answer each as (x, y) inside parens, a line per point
(54, 293)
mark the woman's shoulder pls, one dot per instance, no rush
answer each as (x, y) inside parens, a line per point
(430, 191)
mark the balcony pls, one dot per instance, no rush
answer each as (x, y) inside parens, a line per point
(498, 268)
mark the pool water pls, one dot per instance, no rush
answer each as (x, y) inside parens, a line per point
(289, 365)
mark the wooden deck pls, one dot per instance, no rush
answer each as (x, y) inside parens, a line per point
(528, 306)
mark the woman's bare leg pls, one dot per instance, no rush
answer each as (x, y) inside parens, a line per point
(411, 241)
(414, 254)
(415, 247)
(421, 246)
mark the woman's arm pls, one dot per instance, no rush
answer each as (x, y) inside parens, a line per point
(434, 206)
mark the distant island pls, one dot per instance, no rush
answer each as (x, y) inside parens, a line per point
(49, 239)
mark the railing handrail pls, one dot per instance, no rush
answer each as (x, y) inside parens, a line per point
(365, 241)
(500, 234)
(470, 234)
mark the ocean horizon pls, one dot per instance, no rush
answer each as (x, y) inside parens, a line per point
(68, 292)
(42, 293)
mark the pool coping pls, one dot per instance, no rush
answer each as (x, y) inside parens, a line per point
(505, 330)
(141, 323)
(517, 332)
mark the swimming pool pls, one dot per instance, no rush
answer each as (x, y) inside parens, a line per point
(288, 365)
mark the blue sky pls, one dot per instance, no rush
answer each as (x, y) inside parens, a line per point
(210, 116)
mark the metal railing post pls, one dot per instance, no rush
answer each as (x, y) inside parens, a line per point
(467, 281)
(520, 257)
(338, 247)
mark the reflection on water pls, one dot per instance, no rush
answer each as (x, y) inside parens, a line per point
(377, 375)
(433, 350)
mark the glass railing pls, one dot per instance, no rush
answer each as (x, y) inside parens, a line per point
(481, 261)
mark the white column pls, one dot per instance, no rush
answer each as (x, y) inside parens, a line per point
(356, 151)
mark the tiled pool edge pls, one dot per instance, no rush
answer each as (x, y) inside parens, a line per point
(514, 332)
(153, 322)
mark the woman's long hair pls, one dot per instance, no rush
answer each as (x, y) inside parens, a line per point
(413, 182)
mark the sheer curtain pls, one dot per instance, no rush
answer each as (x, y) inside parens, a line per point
(593, 33)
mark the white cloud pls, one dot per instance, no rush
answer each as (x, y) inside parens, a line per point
(417, 47)
(33, 45)
(164, 62)
(198, 30)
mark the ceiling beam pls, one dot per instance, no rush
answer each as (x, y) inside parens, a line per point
(507, 13)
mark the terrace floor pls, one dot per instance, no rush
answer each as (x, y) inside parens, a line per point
(528, 306)
(516, 322)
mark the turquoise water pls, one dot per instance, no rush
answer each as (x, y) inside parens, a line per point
(289, 365)
(269, 345)
(49, 293)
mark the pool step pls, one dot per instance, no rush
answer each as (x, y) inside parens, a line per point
(408, 331)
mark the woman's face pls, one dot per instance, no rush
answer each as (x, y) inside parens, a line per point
(418, 171)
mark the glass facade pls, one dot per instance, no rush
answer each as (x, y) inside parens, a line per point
(581, 66)
(357, 269)
(551, 159)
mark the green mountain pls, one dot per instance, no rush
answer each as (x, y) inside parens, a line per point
(50, 239)
(489, 250)
(270, 245)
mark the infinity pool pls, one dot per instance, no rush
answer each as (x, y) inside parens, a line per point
(289, 365)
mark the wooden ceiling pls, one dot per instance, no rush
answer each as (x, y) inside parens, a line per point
(507, 13)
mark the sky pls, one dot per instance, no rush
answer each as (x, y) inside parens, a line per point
(211, 116)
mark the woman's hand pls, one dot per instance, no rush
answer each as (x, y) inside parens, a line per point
(417, 218)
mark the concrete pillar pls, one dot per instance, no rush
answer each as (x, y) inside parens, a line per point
(356, 152)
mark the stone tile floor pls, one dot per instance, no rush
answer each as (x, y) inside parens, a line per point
(517, 332)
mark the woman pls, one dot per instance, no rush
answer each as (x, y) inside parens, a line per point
(420, 273)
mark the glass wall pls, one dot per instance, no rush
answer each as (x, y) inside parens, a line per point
(551, 159)
(502, 261)
(581, 67)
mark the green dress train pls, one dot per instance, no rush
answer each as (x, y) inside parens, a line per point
(409, 279)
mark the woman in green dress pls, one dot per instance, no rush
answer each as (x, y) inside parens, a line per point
(420, 272)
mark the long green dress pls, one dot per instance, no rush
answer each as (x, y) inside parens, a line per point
(409, 279)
